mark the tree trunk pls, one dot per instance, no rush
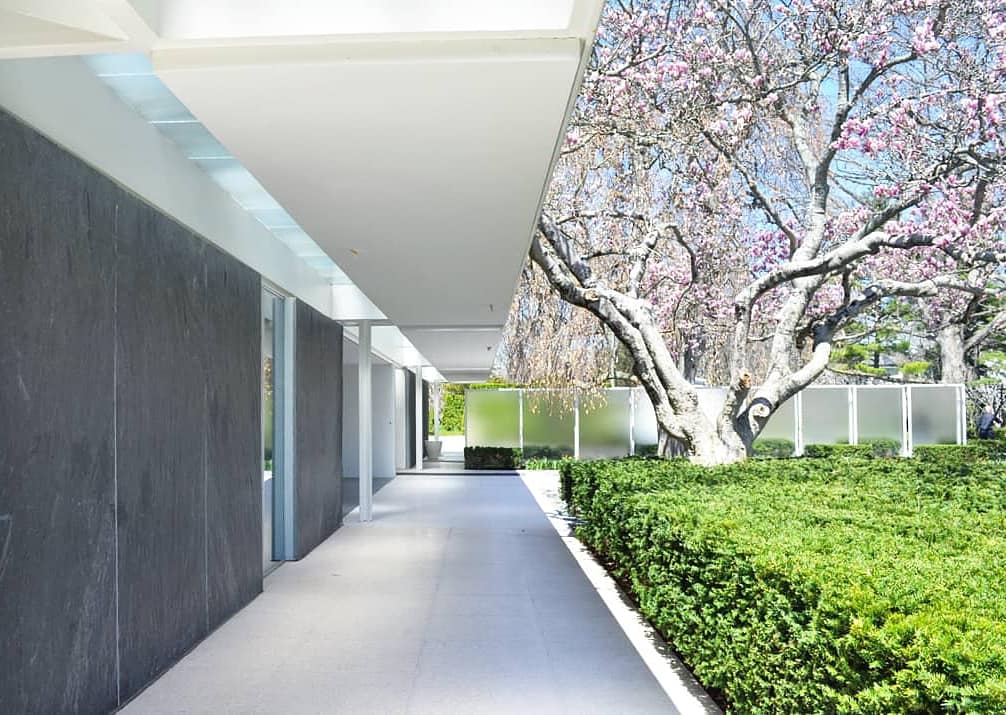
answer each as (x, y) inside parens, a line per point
(953, 362)
(707, 446)
(682, 425)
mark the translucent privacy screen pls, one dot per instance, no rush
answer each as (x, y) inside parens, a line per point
(492, 418)
(879, 413)
(606, 418)
(782, 423)
(644, 421)
(826, 415)
(549, 422)
(934, 414)
(604, 425)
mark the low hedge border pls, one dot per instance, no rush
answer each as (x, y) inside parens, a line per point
(829, 585)
(493, 458)
(769, 448)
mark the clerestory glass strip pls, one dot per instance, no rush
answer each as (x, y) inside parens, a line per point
(132, 78)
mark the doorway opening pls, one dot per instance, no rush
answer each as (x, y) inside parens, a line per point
(274, 429)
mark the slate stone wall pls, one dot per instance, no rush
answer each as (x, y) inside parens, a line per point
(130, 426)
(410, 418)
(318, 428)
(57, 430)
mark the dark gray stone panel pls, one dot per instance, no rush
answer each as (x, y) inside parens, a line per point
(233, 462)
(161, 442)
(318, 428)
(410, 417)
(57, 570)
(426, 415)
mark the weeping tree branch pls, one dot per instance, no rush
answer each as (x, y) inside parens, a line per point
(674, 399)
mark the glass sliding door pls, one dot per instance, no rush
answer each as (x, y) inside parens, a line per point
(273, 397)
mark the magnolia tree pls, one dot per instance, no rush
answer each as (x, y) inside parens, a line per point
(744, 179)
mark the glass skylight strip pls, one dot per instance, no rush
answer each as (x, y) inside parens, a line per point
(132, 78)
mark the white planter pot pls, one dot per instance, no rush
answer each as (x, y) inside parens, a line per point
(433, 447)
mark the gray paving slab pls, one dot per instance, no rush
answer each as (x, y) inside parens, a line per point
(459, 597)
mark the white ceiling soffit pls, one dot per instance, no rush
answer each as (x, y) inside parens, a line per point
(41, 28)
(454, 350)
(351, 354)
(215, 19)
(73, 19)
(418, 167)
(389, 344)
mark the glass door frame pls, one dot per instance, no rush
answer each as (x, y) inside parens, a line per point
(284, 317)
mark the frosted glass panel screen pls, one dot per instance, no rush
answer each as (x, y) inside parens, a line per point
(934, 415)
(549, 420)
(644, 426)
(782, 424)
(492, 418)
(604, 425)
(879, 413)
(826, 415)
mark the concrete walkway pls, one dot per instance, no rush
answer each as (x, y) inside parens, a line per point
(459, 597)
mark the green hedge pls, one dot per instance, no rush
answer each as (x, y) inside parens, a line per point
(542, 452)
(829, 585)
(980, 450)
(883, 447)
(838, 451)
(766, 448)
(545, 462)
(452, 412)
(493, 458)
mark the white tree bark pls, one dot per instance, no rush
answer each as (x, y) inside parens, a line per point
(953, 361)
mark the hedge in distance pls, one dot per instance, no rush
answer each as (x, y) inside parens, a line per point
(493, 458)
(829, 585)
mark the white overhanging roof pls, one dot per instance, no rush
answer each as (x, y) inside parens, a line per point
(401, 148)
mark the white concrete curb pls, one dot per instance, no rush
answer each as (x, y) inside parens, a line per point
(679, 684)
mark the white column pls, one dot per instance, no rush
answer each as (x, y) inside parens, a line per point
(419, 417)
(798, 424)
(438, 404)
(962, 415)
(907, 407)
(632, 421)
(366, 440)
(576, 423)
(520, 418)
(853, 414)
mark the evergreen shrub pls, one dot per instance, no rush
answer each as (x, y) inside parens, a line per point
(828, 585)
(493, 458)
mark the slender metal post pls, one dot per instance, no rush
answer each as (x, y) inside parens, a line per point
(632, 421)
(419, 418)
(520, 418)
(909, 432)
(853, 399)
(962, 415)
(798, 424)
(366, 441)
(284, 429)
(576, 423)
(438, 405)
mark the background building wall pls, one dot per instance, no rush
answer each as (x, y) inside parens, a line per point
(383, 421)
(350, 421)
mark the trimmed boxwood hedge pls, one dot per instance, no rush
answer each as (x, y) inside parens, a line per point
(768, 448)
(830, 585)
(493, 458)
